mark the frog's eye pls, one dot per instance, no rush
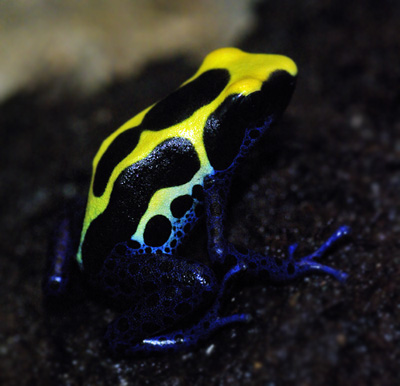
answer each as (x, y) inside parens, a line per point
(226, 128)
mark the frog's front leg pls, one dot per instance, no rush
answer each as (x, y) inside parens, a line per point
(62, 250)
(59, 261)
(276, 270)
(161, 293)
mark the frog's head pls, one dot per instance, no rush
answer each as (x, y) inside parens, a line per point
(258, 91)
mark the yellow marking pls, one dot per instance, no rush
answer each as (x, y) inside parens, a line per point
(243, 65)
(161, 200)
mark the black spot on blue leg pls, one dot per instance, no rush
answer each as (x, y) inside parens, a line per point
(183, 308)
(150, 328)
(254, 134)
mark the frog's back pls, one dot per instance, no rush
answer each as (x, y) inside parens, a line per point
(148, 175)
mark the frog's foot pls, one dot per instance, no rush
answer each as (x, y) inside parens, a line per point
(175, 340)
(189, 337)
(120, 339)
(276, 270)
(308, 264)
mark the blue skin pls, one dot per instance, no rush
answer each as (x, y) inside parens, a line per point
(168, 290)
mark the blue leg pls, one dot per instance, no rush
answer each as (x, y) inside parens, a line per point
(62, 251)
(190, 336)
(158, 292)
(258, 265)
(56, 279)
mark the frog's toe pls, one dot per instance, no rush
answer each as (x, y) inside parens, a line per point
(314, 266)
(334, 238)
(309, 262)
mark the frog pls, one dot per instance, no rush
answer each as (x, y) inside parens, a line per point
(153, 180)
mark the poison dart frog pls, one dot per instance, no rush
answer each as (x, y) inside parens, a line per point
(153, 179)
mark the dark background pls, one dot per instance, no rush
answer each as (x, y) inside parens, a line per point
(333, 159)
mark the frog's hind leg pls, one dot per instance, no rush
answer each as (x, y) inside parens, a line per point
(159, 292)
(275, 270)
(152, 339)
